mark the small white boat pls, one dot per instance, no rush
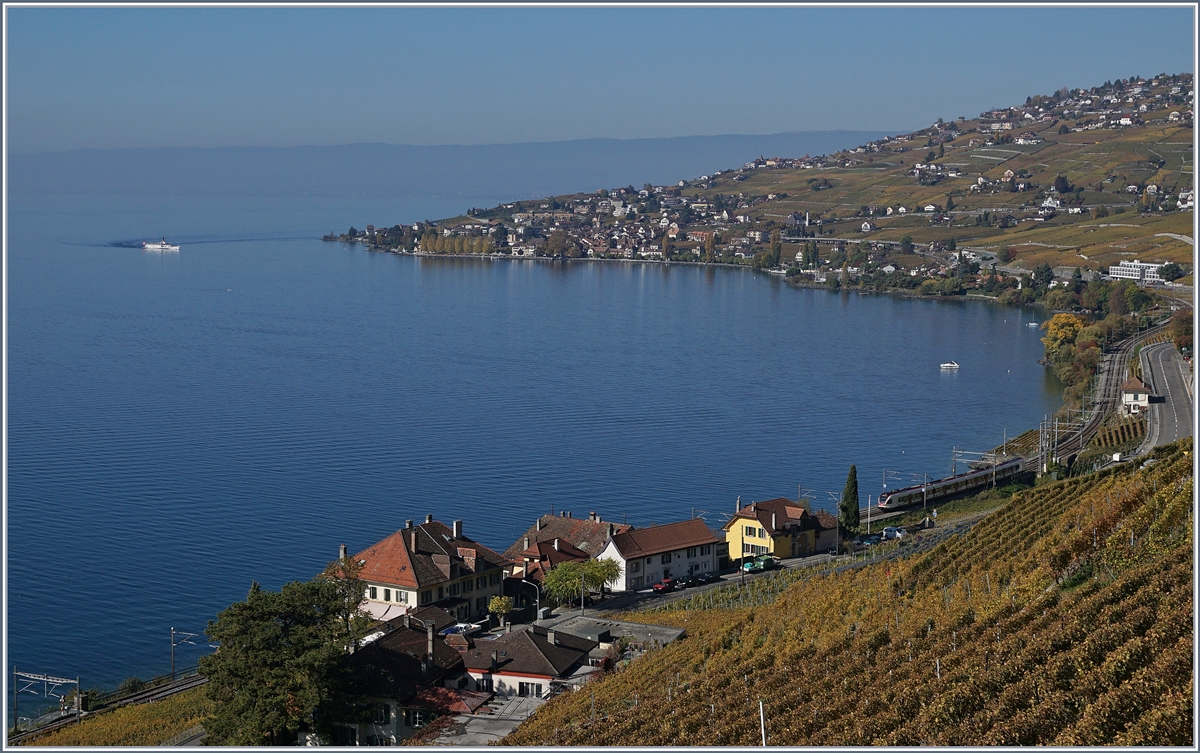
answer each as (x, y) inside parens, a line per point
(160, 246)
(950, 366)
(1034, 324)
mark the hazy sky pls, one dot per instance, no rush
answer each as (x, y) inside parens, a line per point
(120, 77)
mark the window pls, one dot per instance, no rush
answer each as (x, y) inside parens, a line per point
(745, 547)
(666, 558)
(479, 604)
(343, 737)
(749, 531)
(495, 579)
(454, 589)
(387, 594)
(635, 582)
(402, 596)
(415, 718)
(481, 581)
(466, 585)
(374, 593)
(485, 684)
(762, 534)
(529, 689)
(635, 567)
(381, 714)
(691, 552)
(426, 597)
(706, 549)
(441, 593)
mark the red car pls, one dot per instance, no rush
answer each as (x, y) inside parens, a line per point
(666, 585)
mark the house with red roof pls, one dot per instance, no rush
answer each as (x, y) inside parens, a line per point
(430, 564)
(647, 555)
(781, 528)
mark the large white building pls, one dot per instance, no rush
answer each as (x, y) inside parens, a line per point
(647, 555)
(1135, 270)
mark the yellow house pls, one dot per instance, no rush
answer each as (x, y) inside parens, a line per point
(779, 527)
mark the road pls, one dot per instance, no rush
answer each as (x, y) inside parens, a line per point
(1167, 374)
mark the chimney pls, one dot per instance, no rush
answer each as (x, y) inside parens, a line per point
(458, 529)
(592, 516)
(408, 524)
(342, 552)
(407, 620)
(773, 528)
(526, 544)
(429, 641)
(551, 638)
(495, 660)
(539, 526)
(428, 518)
(556, 544)
(562, 513)
(610, 531)
(568, 513)
(413, 539)
(738, 506)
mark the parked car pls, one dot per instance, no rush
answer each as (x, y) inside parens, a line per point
(892, 533)
(760, 563)
(687, 581)
(666, 585)
(707, 577)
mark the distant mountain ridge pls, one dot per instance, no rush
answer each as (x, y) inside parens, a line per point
(525, 170)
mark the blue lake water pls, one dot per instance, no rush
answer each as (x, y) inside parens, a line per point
(180, 425)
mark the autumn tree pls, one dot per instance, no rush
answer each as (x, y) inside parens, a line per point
(501, 606)
(1061, 330)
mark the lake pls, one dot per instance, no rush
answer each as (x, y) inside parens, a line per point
(180, 425)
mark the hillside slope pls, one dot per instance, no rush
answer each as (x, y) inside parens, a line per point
(1064, 618)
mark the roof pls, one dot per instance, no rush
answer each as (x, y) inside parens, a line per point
(390, 666)
(531, 652)
(1134, 385)
(589, 535)
(544, 556)
(645, 542)
(775, 515)
(436, 557)
(449, 700)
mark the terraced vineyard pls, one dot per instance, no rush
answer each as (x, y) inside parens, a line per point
(1064, 618)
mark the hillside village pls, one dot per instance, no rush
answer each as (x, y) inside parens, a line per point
(1079, 179)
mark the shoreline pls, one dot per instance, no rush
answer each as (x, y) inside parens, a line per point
(897, 292)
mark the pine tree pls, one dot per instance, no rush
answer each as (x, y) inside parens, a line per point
(848, 507)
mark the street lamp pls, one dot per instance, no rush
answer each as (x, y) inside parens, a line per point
(538, 590)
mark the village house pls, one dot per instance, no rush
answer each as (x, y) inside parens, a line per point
(525, 661)
(648, 555)
(1135, 397)
(781, 528)
(430, 564)
(401, 675)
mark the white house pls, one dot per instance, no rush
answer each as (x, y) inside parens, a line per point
(1135, 397)
(868, 227)
(648, 555)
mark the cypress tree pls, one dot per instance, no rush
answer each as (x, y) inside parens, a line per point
(848, 507)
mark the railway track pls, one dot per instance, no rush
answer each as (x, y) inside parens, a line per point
(1114, 370)
(149, 695)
